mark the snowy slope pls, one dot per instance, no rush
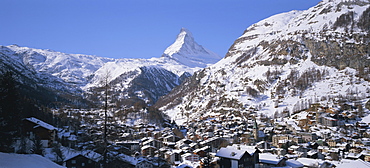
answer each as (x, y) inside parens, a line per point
(12, 160)
(72, 68)
(298, 57)
(186, 51)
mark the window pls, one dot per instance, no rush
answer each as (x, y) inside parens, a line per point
(82, 164)
(73, 161)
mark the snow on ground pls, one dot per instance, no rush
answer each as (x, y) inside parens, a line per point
(366, 119)
(12, 160)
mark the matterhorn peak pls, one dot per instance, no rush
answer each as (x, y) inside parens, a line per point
(187, 52)
(185, 37)
(185, 33)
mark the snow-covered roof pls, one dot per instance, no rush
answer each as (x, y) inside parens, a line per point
(209, 140)
(309, 162)
(294, 147)
(236, 151)
(344, 163)
(293, 163)
(40, 123)
(270, 158)
(230, 153)
(353, 155)
(201, 149)
(147, 147)
(250, 149)
(88, 154)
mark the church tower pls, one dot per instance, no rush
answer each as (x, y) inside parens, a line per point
(255, 130)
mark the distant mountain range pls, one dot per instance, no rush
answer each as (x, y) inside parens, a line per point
(131, 79)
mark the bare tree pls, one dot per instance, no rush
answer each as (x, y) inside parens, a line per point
(104, 82)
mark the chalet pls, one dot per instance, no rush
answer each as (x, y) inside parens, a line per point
(327, 120)
(307, 137)
(238, 156)
(312, 154)
(332, 142)
(346, 139)
(362, 125)
(214, 143)
(191, 157)
(281, 140)
(358, 143)
(173, 156)
(132, 145)
(366, 156)
(153, 142)
(332, 110)
(355, 156)
(86, 159)
(294, 149)
(36, 127)
(292, 126)
(269, 160)
(183, 143)
(202, 152)
(148, 150)
(366, 134)
(171, 138)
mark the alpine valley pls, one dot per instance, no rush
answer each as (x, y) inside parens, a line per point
(296, 84)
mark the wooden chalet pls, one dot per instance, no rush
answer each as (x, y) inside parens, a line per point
(42, 130)
(238, 156)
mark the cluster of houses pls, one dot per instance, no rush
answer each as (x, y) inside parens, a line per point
(318, 137)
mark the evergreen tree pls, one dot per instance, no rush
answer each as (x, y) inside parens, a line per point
(37, 146)
(58, 153)
(10, 115)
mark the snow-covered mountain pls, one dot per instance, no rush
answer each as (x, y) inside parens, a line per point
(285, 62)
(186, 51)
(142, 79)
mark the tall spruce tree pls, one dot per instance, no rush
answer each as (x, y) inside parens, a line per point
(10, 114)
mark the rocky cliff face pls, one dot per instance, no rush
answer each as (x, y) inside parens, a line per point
(317, 55)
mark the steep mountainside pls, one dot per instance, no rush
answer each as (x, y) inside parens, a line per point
(285, 63)
(136, 79)
(40, 86)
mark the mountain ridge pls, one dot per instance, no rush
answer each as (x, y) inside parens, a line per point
(79, 73)
(309, 56)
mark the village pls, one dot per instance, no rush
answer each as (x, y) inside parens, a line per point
(316, 137)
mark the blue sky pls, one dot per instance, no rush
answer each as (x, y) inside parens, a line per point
(132, 28)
